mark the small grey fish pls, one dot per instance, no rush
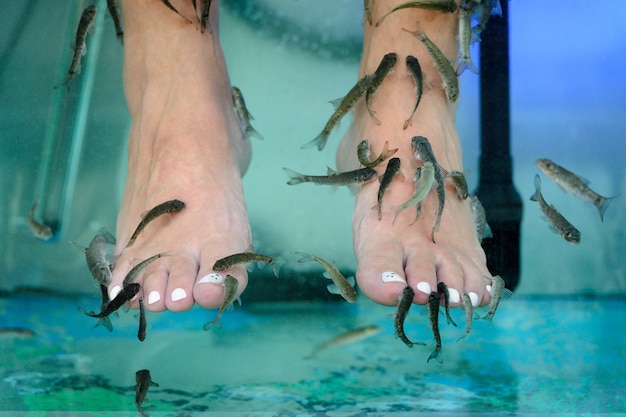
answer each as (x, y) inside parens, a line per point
(443, 6)
(574, 184)
(40, 230)
(359, 176)
(424, 180)
(97, 256)
(558, 223)
(127, 293)
(230, 292)
(341, 285)
(393, 168)
(143, 381)
(480, 218)
(447, 73)
(80, 44)
(402, 310)
(143, 324)
(498, 292)
(442, 288)
(415, 70)
(469, 315)
(16, 331)
(465, 38)
(246, 257)
(363, 153)
(484, 8)
(460, 183)
(104, 321)
(113, 8)
(433, 314)
(424, 152)
(136, 270)
(172, 8)
(168, 207)
(342, 109)
(204, 17)
(351, 336)
(243, 115)
(384, 68)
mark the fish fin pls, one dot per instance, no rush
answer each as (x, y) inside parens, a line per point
(305, 257)
(444, 172)
(154, 384)
(506, 294)
(466, 65)
(108, 237)
(336, 102)
(294, 177)
(487, 233)
(464, 337)
(65, 81)
(81, 248)
(496, 9)
(214, 322)
(605, 205)
(319, 141)
(333, 289)
(535, 197)
(436, 355)
(277, 265)
(351, 281)
(330, 171)
(252, 132)
(105, 322)
(327, 275)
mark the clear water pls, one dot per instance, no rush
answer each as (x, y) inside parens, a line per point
(550, 350)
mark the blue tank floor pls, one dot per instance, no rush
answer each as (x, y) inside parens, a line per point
(542, 355)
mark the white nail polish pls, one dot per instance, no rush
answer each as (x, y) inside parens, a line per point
(390, 276)
(454, 295)
(424, 287)
(474, 298)
(488, 288)
(178, 294)
(153, 297)
(212, 278)
(115, 291)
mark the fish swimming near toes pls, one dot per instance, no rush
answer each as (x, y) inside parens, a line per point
(498, 292)
(168, 207)
(358, 176)
(433, 314)
(143, 381)
(393, 169)
(341, 285)
(402, 310)
(558, 223)
(230, 292)
(351, 336)
(384, 68)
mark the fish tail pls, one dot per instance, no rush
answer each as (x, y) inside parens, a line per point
(466, 64)
(605, 202)
(215, 322)
(449, 319)
(251, 132)
(535, 197)
(65, 81)
(436, 355)
(277, 265)
(488, 318)
(319, 141)
(294, 177)
(105, 322)
(305, 257)
(464, 337)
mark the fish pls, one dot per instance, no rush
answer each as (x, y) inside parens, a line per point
(351, 336)
(113, 8)
(424, 180)
(558, 223)
(243, 114)
(104, 321)
(97, 256)
(469, 315)
(87, 19)
(230, 292)
(16, 332)
(443, 6)
(143, 381)
(168, 207)
(574, 184)
(402, 309)
(447, 73)
(460, 183)
(363, 153)
(424, 152)
(136, 270)
(172, 8)
(393, 169)
(344, 106)
(442, 288)
(127, 293)
(40, 230)
(498, 292)
(415, 70)
(341, 285)
(485, 9)
(433, 314)
(141, 331)
(246, 257)
(359, 176)
(465, 38)
(483, 230)
(384, 68)
(206, 7)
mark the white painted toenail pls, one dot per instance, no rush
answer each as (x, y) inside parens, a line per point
(454, 295)
(424, 287)
(390, 276)
(115, 291)
(488, 288)
(178, 294)
(474, 298)
(153, 297)
(212, 278)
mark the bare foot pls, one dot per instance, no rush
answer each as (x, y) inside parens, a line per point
(185, 143)
(391, 254)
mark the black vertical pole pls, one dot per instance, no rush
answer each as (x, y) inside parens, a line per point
(495, 189)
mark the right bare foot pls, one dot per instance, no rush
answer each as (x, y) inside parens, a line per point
(185, 143)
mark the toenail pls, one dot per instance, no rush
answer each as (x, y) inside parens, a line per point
(488, 288)
(212, 278)
(424, 287)
(115, 291)
(454, 295)
(153, 297)
(390, 276)
(474, 298)
(178, 294)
